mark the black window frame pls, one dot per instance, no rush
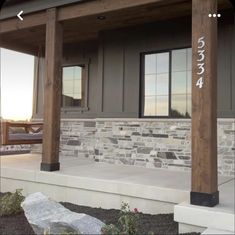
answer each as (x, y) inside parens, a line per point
(71, 109)
(142, 83)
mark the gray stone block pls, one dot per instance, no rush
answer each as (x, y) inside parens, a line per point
(89, 124)
(44, 214)
(184, 157)
(160, 136)
(74, 142)
(144, 150)
(166, 155)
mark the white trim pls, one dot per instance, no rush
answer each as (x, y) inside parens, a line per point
(132, 119)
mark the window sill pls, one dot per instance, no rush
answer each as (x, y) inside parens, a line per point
(74, 110)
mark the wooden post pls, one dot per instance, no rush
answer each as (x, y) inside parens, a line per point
(52, 93)
(204, 190)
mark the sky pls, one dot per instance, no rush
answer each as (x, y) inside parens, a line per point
(17, 72)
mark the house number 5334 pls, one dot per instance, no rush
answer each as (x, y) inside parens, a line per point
(200, 61)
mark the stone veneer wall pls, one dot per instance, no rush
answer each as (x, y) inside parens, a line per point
(161, 143)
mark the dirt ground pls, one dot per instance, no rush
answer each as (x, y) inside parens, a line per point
(162, 224)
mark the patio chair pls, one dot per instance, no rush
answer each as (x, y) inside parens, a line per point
(16, 133)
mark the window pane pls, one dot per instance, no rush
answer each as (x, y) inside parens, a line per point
(163, 62)
(189, 105)
(150, 64)
(162, 105)
(78, 88)
(178, 105)
(179, 83)
(189, 82)
(68, 87)
(150, 85)
(162, 84)
(68, 73)
(157, 83)
(179, 62)
(72, 86)
(78, 72)
(149, 106)
(189, 59)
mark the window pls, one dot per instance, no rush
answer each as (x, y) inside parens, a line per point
(166, 84)
(74, 86)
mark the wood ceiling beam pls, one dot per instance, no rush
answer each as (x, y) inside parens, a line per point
(76, 11)
(20, 47)
(31, 20)
(104, 6)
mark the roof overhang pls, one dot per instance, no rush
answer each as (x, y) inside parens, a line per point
(10, 7)
(80, 21)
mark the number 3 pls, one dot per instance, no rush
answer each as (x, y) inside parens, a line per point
(201, 53)
(201, 67)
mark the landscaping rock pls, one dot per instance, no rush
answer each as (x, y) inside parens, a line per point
(44, 214)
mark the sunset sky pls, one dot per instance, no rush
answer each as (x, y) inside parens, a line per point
(16, 85)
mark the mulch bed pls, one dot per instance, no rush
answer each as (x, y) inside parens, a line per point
(162, 224)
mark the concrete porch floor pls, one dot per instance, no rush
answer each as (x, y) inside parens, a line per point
(85, 182)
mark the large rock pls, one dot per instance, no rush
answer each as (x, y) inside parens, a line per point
(44, 214)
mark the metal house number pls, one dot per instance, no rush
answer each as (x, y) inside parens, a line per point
(201, 60)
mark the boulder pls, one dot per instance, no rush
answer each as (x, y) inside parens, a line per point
(45, 214)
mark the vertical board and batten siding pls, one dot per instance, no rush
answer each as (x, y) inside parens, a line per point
(72, 56)
(113, 75)
(226, 65)
(114, 71)
(233, 68)
(122, 61)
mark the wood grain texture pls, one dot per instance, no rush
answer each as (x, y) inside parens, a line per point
(204, 100)
(80, 21)
(30, 20)
(28, 127)
(52, 89)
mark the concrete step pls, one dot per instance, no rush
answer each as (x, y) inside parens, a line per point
(216, 231)
(203, 217)
(221, 217)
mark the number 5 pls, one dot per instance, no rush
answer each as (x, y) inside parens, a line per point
(201, 42)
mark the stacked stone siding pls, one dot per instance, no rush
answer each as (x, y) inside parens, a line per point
(155, 143)
(78, 138)
(226, 147)
(161, 144)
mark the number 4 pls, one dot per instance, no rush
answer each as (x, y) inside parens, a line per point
(199, 82)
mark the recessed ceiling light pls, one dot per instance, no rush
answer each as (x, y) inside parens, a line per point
(101, 17)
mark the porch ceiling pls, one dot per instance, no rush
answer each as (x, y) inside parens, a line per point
(84, 25)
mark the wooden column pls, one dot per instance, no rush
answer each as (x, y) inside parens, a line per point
(52, 93)
(204, 190)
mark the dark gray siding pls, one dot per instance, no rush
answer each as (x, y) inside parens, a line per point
(74, 55)
(114, 72)
(113, 76)
(122, 50)
(226, 65)
(233, 70)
